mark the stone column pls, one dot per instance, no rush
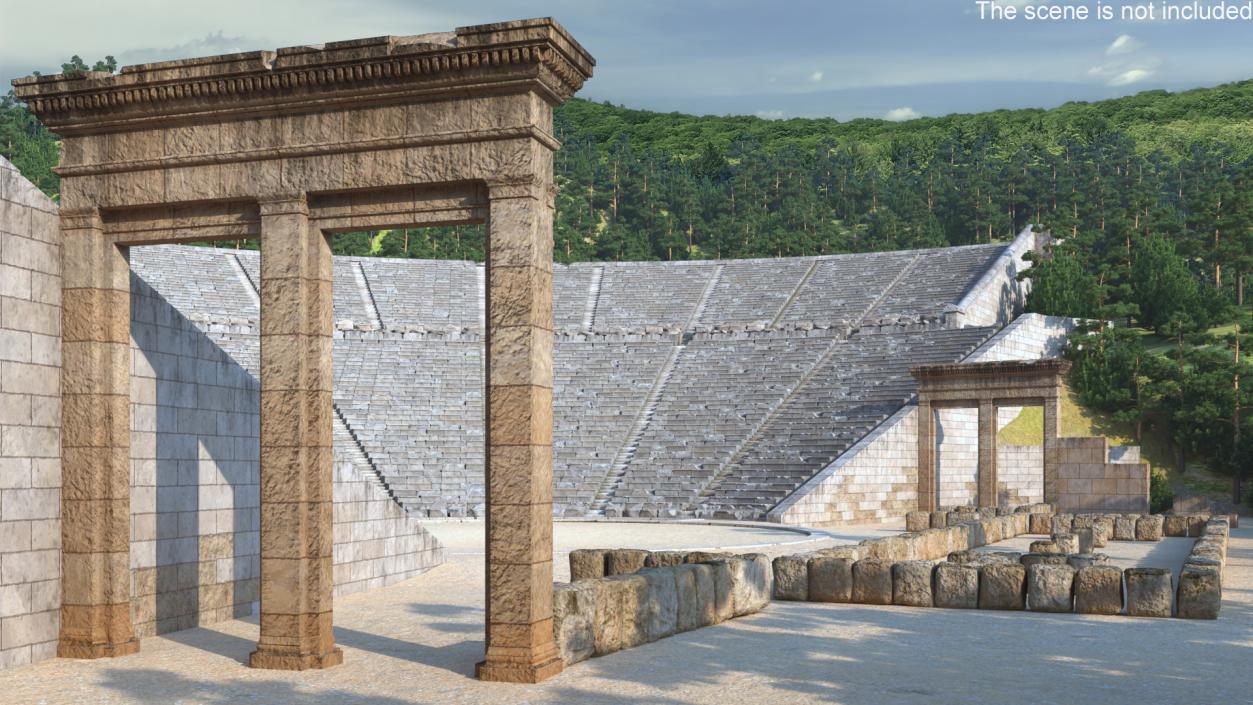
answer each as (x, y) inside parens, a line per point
(926, 456)
(987, 453)
(95, 442)
(1052, 431)
(296, 460)
(520, 645)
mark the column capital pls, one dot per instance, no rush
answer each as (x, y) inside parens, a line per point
(291, 203)
(81, 219)
(529, 186)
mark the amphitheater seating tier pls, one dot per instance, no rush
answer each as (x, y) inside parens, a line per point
(657, 410)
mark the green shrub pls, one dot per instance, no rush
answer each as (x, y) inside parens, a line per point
(1161, 496)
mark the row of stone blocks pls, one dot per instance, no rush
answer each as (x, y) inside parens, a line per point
(923, 520)
(618, 599)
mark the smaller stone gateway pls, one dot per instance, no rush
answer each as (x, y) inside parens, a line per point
(1149, 592)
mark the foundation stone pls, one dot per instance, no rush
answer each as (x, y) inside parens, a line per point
(1149, 592)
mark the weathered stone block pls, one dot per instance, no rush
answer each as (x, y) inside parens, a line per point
(1050, 588)
(956, 586)
(1002, 586)
(661, 609)
(872, 581)
(1098, 590)
(1082, 521)
(1062, 524)
(587, 564)
(1125, 527)
(1041, 524)
(1175, 525)
(852, 553)
(967, 556)
(724, 607)
(706, 556)
(1102, 531)
(1030, 559)
(1045, 547)
(1083, 560)
(752, 578)
(1086, 540)
(1001, 557)
(1149, 592)
(917, 521)
(1196, 524)
(911, 584)
(938, 520)
(831, 579)
(1150, 527)
(696, 596)
(1200, 593)
(662, 559)
(608, 619)
(624, 561)
(791, 578)
(574, 612)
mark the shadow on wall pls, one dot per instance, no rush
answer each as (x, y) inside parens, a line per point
(196, 498)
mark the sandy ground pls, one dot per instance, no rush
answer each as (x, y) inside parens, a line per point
(417, 642)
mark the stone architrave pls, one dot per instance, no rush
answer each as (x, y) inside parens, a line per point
(290, 146)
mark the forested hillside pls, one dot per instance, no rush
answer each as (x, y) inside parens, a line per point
(1152, 195)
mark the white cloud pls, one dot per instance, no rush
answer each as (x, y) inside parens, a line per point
(901, 114)
(769, 114)
(816, 76)
(1129, 77)
(1123, 44)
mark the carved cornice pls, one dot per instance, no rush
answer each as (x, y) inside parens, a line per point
(537, 53)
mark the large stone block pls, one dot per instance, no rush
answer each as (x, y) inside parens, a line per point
(696, 595)
(1086, 539)
(917, 521)
(1050, 588)
(1102, 531)
(1125, 527)
(1149, 592)
(1200, 593)
(938, 520)
(1041, 524)
(752, 578)
(911, 584)
(587, 564)
(852, 553)
(706, 556)
(1082, 521)
(956, 586)
(872, 581)
(634, 609)
(1098, 590)
(724, 607)
(1150, 527)
(967, 556)
(1083, 560)
(574, 612)
(1030, 559)
(1175, 525)
(661, 608)
(1062, 524)
(608, 618)
(1002, 586)
(831, 579)
(662, 559)
(791, 578)
(624, 561)
(1046, 547)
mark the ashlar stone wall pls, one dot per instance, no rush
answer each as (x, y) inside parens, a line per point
(30, 421)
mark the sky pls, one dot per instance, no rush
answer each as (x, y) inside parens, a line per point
(891, 59)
